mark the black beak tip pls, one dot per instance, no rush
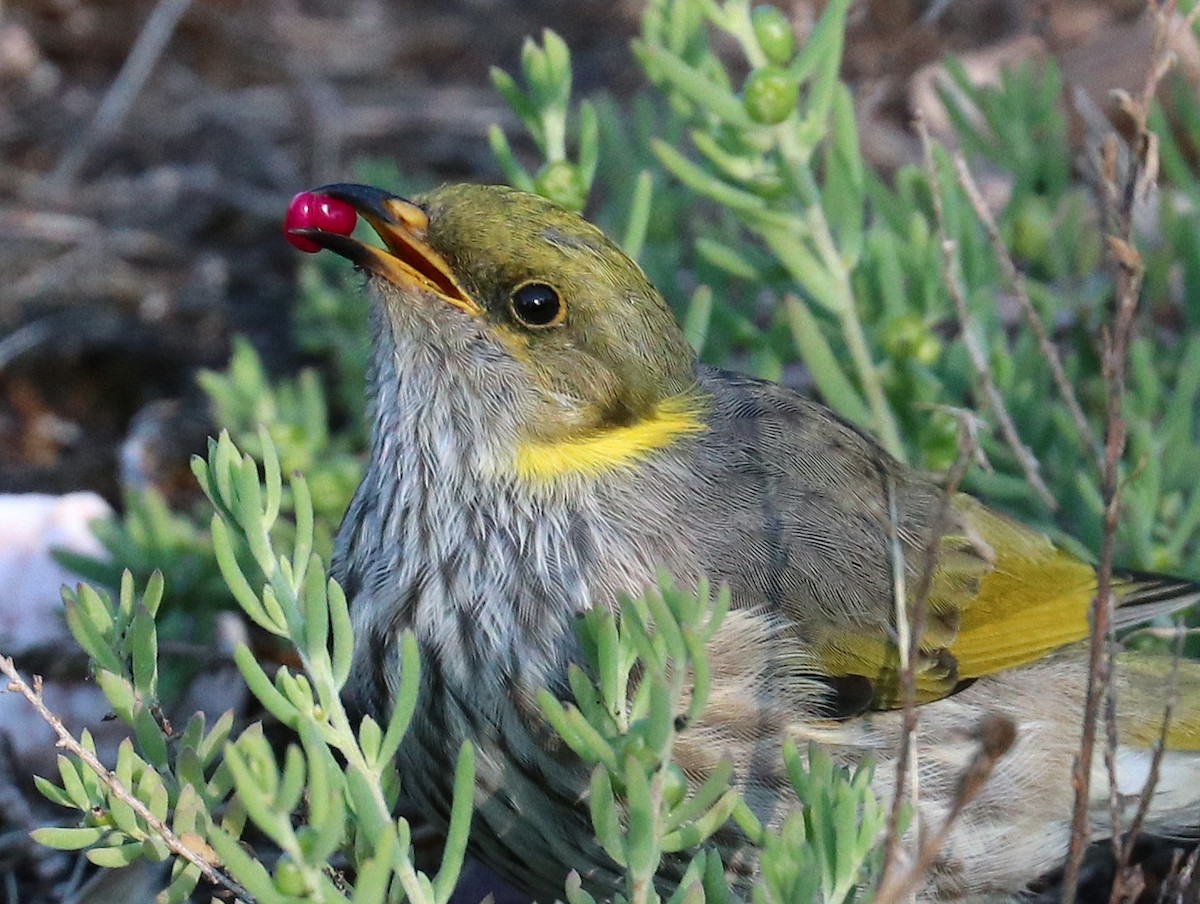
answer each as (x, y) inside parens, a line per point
(366, 199)
(307, 232)
(343, 245)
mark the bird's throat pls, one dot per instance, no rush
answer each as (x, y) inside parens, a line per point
(609, 449)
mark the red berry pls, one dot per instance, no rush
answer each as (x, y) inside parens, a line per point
(312, 211)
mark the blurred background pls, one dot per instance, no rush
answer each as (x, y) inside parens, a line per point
(133, 245)
(139, 218)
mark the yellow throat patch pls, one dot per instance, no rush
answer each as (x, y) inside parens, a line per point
(600, 451)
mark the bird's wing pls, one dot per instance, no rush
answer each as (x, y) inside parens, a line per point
(805, 524)
(1037, 597)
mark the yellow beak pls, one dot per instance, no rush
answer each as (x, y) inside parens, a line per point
(408, 261)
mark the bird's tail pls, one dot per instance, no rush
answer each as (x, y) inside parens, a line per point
(1143, 596)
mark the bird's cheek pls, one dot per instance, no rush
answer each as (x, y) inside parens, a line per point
(567, 399)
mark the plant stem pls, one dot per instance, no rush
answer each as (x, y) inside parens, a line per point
(67, 741)
(796, 158)
(856, 341)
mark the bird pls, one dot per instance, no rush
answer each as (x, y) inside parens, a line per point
(543, 441)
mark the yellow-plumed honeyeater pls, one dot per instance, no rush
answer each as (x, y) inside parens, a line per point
(543, 440)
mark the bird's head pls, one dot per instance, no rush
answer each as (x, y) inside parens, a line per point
(530, 311)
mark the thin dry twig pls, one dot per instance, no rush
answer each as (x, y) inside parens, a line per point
(1127, 878)
(1178, 882)
(1173, 633)
(1016, 281)
(979, 362)
(910, 624)
(1100, 655)
(146, 50)
(66, 740)
(906, 630)
(1120, 191)
(1127, 882)
(995, 735)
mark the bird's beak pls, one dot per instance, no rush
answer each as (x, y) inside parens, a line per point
(408, 262)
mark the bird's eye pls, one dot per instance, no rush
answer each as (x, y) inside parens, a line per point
(537, 305)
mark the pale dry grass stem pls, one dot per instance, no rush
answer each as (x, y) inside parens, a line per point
(1119, 188)
(970, 339)
(67, 741)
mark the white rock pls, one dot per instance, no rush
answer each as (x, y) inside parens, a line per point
(31, 527)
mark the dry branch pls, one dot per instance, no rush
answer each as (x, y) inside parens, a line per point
(67, 741)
